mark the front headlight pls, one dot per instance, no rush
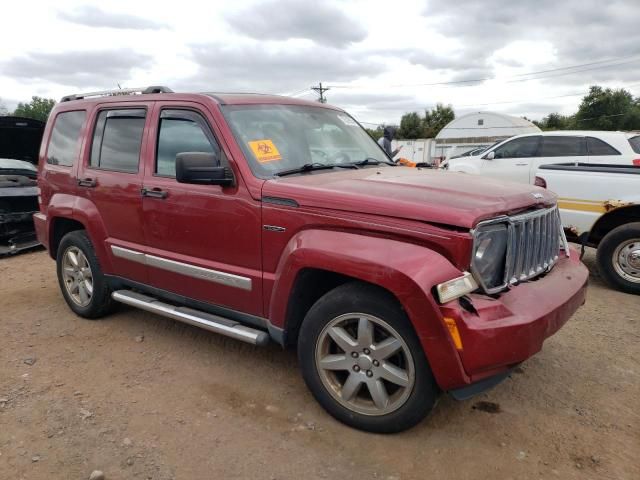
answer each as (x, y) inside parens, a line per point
(489, 255)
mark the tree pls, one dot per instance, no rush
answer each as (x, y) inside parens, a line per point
(377, 132)
(607, 109)
(410, 126)
(436, 119)
(37, 108)
(3, 109)
(556, 121)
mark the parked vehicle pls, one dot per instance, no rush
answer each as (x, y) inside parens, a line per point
(518, 158)
(600, 207)
(19, 144)
(263, 217)
(18, 203)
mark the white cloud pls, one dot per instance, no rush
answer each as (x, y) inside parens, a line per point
(382, 51)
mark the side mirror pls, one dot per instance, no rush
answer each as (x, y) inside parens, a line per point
(202, 168)
(490, 156)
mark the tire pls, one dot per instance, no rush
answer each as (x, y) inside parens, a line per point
(618, 258)
(83, 275)
(364, 311)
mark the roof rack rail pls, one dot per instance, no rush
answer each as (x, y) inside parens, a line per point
(119, 91)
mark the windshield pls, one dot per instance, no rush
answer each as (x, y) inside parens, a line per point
(279, 138)
(10, 164)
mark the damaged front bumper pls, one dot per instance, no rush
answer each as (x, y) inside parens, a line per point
(17, 206)
(17, 232)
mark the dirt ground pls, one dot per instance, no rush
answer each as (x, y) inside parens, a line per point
(139, 396)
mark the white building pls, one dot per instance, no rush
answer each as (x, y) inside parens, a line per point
(478, 129)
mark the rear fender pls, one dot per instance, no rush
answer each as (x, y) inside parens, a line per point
(86, 212)
(406, 270)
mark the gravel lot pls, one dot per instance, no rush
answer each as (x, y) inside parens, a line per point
(139, 396)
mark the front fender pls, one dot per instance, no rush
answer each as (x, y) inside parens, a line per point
(463, 167)
(406, 270)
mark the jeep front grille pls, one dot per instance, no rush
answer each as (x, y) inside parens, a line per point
(534, 239)
(534, 243)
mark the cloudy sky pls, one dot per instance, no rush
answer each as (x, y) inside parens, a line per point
(380, 58)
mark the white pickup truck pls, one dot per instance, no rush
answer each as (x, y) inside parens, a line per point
(600, 207)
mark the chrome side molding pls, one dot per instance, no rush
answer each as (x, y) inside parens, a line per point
(193, 271)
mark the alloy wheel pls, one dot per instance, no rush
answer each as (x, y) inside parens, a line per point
(365, 364)
(77, 276)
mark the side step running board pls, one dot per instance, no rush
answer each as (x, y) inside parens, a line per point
(210, 322)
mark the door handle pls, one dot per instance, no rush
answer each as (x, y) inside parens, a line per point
(87, 182)
(521, 164)
(154, 193)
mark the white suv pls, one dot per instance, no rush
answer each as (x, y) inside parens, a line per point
(518, 158)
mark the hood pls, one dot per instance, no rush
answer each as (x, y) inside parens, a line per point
(433, 196)
(20, 138)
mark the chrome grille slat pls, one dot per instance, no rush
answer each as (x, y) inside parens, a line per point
(545, 242)
(534, 243)
(530, 240)
(521, 250)
(537, 244)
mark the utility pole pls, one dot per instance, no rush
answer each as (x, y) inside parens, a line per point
(320, 89)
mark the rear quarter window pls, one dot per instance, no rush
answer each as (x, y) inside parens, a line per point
(64, 144)
(599, 147)
(635, 143)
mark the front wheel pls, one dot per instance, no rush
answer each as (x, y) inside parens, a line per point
(363, 362)
(618, 258)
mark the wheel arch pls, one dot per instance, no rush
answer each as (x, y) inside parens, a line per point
(59, 227)
(310, 285)
(611, 220)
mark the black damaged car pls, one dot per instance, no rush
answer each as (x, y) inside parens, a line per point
(19, 145)
(18, 203)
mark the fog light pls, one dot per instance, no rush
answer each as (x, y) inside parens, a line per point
(453, 332)
(457, 287)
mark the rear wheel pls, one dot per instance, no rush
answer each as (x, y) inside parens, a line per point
(618, 258)
(363, 362)
(82, 283)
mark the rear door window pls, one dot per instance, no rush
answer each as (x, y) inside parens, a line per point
(524, 147)
(599, 147)
(64, 145)
(117, 139)
(182, 131)
(553, 146)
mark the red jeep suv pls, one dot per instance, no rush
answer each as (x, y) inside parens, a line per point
(269, 218)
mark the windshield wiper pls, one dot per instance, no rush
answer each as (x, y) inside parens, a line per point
(372, 161)
(308, 167)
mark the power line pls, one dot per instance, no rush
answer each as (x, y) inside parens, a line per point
(515, 78)
(511, 102)
(295, 94)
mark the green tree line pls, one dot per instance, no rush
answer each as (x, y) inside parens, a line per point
(413, 125)
(600, 109)
(38, 108)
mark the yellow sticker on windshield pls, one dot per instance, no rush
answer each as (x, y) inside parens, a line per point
(265, 151)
